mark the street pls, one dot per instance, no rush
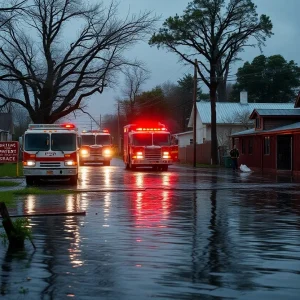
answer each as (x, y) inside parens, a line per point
(181, 234)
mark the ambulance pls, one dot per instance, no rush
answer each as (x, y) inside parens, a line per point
(50, 151)
(96, 147)
(147, 145)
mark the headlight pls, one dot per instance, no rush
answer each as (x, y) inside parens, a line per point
(29, 163)
(107, 152)
(70, 163)
(166, 155)
(139, 155)
(84, 152)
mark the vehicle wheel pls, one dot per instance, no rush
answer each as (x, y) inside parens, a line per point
(106, 163)
(154, 168)
(127, 166)
(29, 180)
(73, 179)
(164, 168)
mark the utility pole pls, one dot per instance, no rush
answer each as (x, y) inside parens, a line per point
(100, 123)
(195, 113)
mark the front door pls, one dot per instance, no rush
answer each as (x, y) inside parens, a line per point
(284, 152)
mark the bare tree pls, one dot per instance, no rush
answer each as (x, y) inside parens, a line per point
(135, 77)
(10, 10)
(56, 72)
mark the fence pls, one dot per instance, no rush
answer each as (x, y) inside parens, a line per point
(203, 154)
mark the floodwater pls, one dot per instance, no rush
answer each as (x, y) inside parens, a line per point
(181, 234)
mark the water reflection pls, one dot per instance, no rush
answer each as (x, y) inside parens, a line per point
(161, 243)
(151, 209)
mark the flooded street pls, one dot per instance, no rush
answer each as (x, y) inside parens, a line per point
(181, 234)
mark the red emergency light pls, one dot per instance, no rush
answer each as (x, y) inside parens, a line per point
(105, 131)
(151, 129)
(68, 125)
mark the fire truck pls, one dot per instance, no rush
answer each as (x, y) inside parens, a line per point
(50, 151)
(96, 146)
(146, 145)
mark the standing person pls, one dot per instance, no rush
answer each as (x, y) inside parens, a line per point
(234, 154)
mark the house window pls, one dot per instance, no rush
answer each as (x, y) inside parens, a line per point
(250, 146)
(191, 141)
(257, 123)
(243, 146)
(267, 145)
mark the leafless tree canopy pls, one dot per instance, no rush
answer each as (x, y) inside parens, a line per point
(135, 77)
(59, 52)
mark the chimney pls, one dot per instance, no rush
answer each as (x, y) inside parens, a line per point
(243, 97)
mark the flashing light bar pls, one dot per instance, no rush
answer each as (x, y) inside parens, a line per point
(151, 129)
(95, 131)
(52, 126)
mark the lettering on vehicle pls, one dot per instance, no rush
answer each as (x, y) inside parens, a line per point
(50, 153)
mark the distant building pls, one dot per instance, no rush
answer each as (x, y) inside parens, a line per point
(6, 127)
(274, 144)
(231, 118)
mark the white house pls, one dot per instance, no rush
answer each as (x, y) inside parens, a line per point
(231, 118)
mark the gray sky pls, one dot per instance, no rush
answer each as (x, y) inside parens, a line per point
(164, 66)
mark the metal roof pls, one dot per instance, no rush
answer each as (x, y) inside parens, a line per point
(293, 126)
(228, 113)
(183, 133)
(278, 112)
(252, 131)
(245, 132)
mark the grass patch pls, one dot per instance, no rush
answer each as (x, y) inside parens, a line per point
(8, 183)
(37, 191)
(8, 196)
(10, 170)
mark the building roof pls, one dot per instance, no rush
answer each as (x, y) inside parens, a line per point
(183, 133)
(290, 127)
(295, 112)
(5, 121)
(228, 113)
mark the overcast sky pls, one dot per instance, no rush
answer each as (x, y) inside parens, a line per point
(164, 66)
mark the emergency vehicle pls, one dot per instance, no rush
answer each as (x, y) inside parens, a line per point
(96, 146)
(146, 145)
(50, 151)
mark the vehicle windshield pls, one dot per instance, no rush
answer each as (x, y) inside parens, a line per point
(88, 139)
(63, 141)
(161, 139)
(37, 142)
(142, 139)
(103, 140)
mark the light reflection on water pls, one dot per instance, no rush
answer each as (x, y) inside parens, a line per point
(160, 244)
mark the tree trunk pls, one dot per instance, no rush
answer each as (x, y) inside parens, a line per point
(214, 141)
(222, 93)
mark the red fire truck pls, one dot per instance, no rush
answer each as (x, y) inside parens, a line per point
(96, 146)
(147, 145)
(50, 151)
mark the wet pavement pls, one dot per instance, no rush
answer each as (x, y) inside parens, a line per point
(181, 234)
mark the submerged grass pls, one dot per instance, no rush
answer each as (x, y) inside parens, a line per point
(8, 183)
(8, 196)
(10, 170)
